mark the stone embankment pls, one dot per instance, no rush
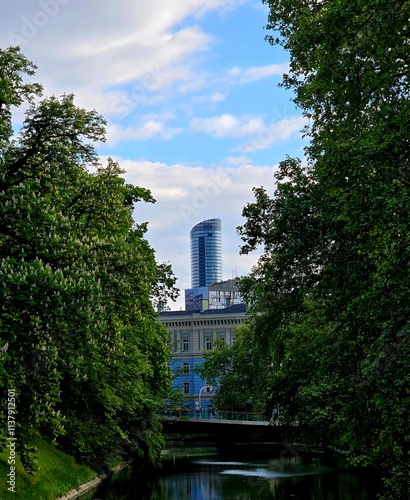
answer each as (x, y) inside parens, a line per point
(90, 485)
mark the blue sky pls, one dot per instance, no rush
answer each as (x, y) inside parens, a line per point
(190, 92)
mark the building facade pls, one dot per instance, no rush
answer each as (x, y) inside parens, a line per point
(206, 253)
(216, 296)
(224, 294)
(192, 333)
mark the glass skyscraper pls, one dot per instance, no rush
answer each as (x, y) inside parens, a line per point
(206, 253)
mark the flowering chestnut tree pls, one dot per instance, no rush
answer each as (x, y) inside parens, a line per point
(78, 283)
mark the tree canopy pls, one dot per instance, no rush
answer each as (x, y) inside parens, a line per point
(234, 370)
(330, 296)
(79, 282)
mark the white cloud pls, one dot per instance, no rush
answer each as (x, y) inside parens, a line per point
(149, 130)
(224, 7)
(275, 132)
(260, 134)
(227, 125)
(88, 48)
(255, 73)
(93, 48)
(237, 161)
(209, 98)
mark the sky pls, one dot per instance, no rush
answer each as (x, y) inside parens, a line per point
(189, 89)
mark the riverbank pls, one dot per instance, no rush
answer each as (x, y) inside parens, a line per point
(59, 477)
(58, 473)
(91, 485)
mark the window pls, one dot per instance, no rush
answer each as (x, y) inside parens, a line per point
(185, 345)
(208, 343)
(221, 335)
(185, 367)
(185, 388)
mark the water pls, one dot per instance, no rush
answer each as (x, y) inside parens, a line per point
(243, 472)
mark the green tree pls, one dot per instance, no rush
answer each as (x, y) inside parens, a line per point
(79, 283)
(331, 291)
(234, 372)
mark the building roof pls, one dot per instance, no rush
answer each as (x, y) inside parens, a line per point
(178, 313)
(234, 309)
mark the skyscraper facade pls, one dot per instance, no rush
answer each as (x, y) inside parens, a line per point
(206, 253)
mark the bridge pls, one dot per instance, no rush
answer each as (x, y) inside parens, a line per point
(232, 423)
(216, 417)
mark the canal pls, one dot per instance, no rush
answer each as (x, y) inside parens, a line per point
(241, 472)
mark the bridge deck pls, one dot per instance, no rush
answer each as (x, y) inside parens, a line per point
(239, 418)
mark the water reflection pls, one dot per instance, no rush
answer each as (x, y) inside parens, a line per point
(202, 473)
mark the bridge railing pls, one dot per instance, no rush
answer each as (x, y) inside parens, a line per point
(237, 416)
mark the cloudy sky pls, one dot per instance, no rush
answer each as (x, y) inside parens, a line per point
(190, 92)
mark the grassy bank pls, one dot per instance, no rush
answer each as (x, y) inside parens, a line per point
(58, 473)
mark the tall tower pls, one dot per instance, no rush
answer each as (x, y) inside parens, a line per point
(206, 253)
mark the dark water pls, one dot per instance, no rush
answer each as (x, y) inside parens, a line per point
(243, 472)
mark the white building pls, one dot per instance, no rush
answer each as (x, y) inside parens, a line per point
(194, 332)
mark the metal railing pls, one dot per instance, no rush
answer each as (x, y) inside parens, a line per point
(226, 416)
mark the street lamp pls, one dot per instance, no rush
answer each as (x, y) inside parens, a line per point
(208, 389)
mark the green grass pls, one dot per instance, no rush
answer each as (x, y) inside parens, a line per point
(58, 474)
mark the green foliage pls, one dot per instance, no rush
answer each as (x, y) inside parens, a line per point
(176, 398)
(28, 457)
(233, 370)
(330, 295)
(57, 474)
(87, 359)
